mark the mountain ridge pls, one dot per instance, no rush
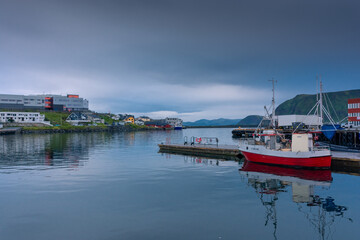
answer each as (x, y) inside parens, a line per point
(335, 102)
(213, 122)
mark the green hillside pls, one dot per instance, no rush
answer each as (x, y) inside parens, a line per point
(302, 104)
(251, 120)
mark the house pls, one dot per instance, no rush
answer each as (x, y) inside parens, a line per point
(115, 117)
(143, 118)
(130, 119)
(95, 118)
(77, 118)
(139, 122)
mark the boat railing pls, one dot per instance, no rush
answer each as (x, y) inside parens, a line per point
(249, 141)
(320, 148)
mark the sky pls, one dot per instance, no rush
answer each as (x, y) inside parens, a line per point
(192, 59)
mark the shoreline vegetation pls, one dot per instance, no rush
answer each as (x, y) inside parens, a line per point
(60, 125)
(76, 129)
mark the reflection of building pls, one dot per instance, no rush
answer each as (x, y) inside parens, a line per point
(43, 102)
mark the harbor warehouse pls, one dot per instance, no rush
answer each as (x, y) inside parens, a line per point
(70, 102)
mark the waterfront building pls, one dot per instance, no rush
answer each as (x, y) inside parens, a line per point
(130, 119)
(354, 112)
(69, 102)
(22, 117)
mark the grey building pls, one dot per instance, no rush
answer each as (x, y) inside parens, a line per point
(43, 102)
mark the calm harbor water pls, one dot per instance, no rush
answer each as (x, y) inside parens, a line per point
(117, 186)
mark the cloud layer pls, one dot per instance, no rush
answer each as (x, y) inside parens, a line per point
(203, 58)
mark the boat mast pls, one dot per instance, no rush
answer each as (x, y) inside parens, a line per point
(321, 102)
(273, 121)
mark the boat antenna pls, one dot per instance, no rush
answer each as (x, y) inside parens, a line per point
(321, 102)
(273, 103)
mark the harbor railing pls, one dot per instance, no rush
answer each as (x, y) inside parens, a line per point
(201, 140)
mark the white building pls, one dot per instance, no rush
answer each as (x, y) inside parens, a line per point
(308, 120)
(22, 117)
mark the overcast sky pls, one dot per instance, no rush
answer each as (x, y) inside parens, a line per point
(190, 58)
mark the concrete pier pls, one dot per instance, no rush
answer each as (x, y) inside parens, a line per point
(216, 151)
(340, 160)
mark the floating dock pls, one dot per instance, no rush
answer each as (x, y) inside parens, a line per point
(343, 161)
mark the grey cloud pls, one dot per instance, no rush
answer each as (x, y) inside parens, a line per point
(183, 42)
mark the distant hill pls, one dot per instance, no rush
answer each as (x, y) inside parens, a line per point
(251, 120)
(214, 122)
(302, 104)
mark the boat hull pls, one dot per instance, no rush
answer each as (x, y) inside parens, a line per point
(308, 162)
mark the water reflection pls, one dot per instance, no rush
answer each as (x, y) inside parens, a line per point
(46, 150)
(270, 181)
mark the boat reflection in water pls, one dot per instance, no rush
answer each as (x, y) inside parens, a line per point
(270, 181)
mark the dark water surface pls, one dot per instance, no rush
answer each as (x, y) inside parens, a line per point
(117, 186)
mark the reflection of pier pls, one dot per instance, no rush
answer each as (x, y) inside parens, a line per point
(269, 182)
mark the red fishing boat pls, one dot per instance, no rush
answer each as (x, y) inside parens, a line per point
(272, 148)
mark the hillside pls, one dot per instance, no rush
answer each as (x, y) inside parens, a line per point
(251, 120)
(301, 104)
(214, 122)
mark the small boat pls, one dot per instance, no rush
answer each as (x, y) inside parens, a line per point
(272, 148)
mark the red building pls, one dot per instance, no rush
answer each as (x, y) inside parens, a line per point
(354, 112)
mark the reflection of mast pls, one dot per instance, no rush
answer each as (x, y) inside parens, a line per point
(324, 216)
(268, 188)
